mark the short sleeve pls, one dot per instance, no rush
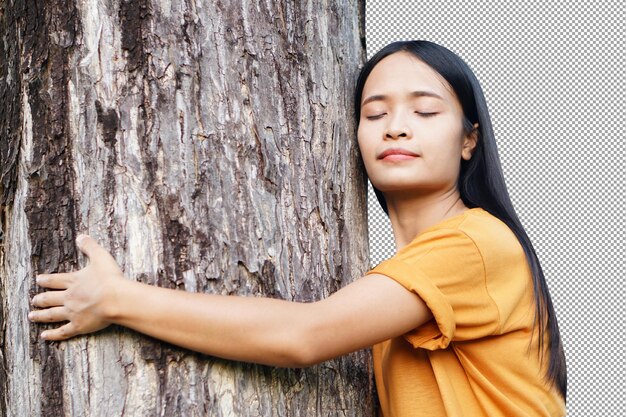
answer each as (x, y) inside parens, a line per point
(445, 269)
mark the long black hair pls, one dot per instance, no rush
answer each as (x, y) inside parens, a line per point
(481, 181)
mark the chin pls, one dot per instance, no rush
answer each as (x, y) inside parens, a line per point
(395, 188)
(409, 188)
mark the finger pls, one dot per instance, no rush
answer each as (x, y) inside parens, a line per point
(48, 315)
(49, 299)
(96, 253)
(60, 333)
(91, 248)
(58, 281)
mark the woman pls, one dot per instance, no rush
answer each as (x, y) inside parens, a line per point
(460, 317)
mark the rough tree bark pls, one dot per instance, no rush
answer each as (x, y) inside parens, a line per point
(210, 146)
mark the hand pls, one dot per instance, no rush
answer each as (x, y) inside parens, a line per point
(84, 298)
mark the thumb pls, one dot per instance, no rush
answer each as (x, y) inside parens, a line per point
(98, 255)
(89, 246)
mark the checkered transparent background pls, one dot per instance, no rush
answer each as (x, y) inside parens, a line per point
(554, 74)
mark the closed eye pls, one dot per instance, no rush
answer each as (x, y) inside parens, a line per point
(423, 114)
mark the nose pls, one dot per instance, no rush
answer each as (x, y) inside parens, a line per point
(397, 127)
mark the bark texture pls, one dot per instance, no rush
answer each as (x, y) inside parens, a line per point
(211, 147)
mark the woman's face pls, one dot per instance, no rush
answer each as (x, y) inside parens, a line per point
(407, 105)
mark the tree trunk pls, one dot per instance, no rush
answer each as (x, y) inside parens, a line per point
(210, 148)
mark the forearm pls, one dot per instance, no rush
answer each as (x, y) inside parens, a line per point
(251, 329)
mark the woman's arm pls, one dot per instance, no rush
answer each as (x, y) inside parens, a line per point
(252, 329)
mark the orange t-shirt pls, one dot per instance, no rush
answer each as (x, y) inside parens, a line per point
(473, 357)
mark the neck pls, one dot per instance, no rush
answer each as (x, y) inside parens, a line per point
(411, 214)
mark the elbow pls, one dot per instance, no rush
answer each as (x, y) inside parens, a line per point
(294, 362)
(304, 357)
(293, 353)
(302, 349)
(301, 359)
(306, 348)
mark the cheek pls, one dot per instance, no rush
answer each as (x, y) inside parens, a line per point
(366, 149)
(361, 138)
(359, 141)
(442, 150)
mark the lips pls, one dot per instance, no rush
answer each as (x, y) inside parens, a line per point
(396, 151)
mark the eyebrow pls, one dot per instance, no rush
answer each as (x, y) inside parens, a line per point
(420, 93)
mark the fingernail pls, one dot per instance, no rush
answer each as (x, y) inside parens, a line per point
(44, 335)
(31, 315)
(80, 238)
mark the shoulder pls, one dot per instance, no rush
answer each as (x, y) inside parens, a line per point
(474, 230)
(473, 240)
(493, 238)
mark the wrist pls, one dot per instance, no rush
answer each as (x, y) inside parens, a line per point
(113, 300)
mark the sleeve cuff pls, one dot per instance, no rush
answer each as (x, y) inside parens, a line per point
(436, 333)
